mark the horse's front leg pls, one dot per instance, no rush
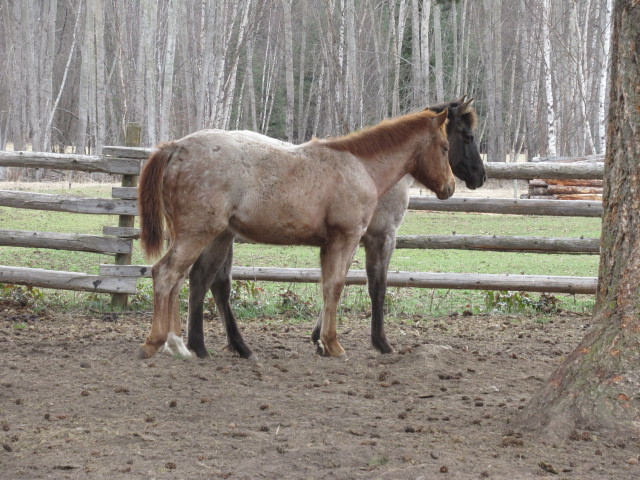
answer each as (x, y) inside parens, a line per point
(335, 259)
(378, 247)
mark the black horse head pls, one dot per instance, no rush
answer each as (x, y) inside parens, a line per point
(464, 158)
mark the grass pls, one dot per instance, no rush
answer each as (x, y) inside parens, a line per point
(300, 301)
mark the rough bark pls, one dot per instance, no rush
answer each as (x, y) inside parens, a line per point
(597, 386)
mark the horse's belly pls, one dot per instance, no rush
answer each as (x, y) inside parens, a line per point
(271, 229)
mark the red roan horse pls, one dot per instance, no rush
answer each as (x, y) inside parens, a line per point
(209, 272)
(213, 185)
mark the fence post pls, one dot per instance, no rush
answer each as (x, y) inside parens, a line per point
(132, 139)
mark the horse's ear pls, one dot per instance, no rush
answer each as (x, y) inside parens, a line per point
(461, 100)
(440, 118)
(464, 107)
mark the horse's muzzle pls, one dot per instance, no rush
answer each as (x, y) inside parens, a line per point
(447, 191)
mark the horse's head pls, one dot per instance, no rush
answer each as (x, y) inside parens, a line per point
(432, 167)
(464, 158)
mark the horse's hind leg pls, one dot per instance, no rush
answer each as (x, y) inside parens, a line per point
(175, 344)
(221, 291)
(378, 248)
(213, 270)
(167, 274)
(200, 278)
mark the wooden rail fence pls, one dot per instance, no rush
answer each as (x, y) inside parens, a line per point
(120, 278)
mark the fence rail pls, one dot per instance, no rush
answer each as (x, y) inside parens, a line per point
(64, 241)
(120, 279)
(463, 281)
(37, 277)
(66, 161)
(67, 203)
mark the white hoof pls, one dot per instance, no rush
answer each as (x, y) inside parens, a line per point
(176, 346)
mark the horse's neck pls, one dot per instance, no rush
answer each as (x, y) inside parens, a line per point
(391, 167)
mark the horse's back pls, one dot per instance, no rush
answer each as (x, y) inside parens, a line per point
(267, 190)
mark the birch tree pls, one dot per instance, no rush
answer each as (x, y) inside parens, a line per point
(320, 68)
(548, 83)
(604, 69)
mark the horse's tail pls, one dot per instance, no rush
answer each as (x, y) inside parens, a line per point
(150, 202)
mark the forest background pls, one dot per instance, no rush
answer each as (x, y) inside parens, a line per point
(73, 73)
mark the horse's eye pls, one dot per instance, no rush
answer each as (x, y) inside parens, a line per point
(468, 137)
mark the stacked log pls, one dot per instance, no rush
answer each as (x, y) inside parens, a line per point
(565, 189)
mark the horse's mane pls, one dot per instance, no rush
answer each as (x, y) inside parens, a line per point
(383, 137)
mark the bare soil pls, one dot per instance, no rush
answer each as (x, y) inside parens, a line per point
(74, 403)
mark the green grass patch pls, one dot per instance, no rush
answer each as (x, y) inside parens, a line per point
(301, 302)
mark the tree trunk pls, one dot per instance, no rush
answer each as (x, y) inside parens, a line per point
(492, 44)
(230, 83)
(302, 124)
(397, 51)
(437, 37)
(288, 69)
(84, 84)
(167, 76)
(548, 84)
(416, 70)
(603, 73)
(148, 59)
(424, 50)
(598, 384)
(100, 86)
(251, 91)
(353, 97)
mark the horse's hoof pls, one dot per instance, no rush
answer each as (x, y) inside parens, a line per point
(320, 350)
(323, 351)
(143, 352)
(199, 350)
(343, 357)
(383, 347)
(254, 358)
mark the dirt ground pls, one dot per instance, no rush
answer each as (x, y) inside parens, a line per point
(74, 403)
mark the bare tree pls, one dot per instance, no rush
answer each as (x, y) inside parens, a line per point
(168, 65)
(439, 69)
(178, 66)
(288, 62)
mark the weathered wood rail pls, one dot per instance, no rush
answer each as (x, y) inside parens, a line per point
(463, 281)
(119, 279)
